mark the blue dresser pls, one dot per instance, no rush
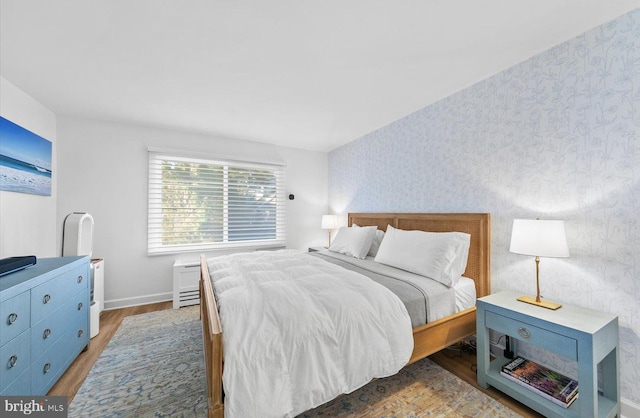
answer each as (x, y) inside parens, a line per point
(44, 323)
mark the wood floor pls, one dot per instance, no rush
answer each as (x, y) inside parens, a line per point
(461, 363)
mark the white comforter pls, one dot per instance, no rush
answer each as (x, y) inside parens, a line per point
(298, 331)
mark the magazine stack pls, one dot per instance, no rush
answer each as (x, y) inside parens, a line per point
(545, 382)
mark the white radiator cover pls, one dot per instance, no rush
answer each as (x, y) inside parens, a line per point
(186, 274)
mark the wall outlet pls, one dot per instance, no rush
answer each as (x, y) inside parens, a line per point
(497, 349)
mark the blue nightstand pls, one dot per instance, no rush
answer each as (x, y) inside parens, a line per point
(584, 335)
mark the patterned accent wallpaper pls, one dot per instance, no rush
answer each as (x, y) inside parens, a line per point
(554, 137)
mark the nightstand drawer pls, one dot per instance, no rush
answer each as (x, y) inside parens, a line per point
(560, 344)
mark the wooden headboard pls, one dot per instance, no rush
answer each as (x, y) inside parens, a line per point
(478, 225)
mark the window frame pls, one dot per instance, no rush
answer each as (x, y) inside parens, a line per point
(154, 205)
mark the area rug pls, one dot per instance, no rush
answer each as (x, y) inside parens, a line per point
(422, 389)
(154, 367)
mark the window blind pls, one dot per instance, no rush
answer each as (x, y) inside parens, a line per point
(200, 204)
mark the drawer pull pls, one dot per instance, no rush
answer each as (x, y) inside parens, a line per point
(80, 332)
(13, 317)
(12, 361)
(46, 298)
(46, 368)
(46, 334)
(524, 333)
(80, 306)
(79, 279)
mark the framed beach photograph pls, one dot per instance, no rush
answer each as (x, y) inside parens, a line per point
(25, 160)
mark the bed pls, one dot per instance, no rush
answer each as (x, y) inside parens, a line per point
(427, 339)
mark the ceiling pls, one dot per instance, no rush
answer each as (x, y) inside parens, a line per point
(305, 74)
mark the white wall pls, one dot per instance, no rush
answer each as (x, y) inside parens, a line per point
(28, 222)
(103, 171)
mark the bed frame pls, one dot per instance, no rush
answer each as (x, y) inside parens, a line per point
(428, 339)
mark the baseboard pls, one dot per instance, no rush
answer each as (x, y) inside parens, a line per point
(137, 301)
(628, 409)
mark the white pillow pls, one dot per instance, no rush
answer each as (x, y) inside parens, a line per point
(441, 256)
(354, 242)
(375, 244)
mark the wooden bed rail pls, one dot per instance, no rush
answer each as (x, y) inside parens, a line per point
(212, 336)
(434, 336)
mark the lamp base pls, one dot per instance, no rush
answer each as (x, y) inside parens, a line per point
(542, 303)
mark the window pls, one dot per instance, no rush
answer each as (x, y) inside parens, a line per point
(203, 204)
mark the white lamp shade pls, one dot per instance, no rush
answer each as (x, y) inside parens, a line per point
(329, 222)
(540, 238)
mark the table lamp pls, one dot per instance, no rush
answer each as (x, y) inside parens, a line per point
(329, 222)
(539, 238)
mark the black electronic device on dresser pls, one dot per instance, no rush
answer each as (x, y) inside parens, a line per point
(11, 264)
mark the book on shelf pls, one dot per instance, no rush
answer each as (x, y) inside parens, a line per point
(548, 383)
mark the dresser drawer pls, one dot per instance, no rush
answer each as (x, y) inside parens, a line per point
(14, 359)
(50, 366)
(19, 387)
(15, 317)
(77, 310)
(48, 297)
(560, 344)
(78, 337)
(46, 368)
(46, 332)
